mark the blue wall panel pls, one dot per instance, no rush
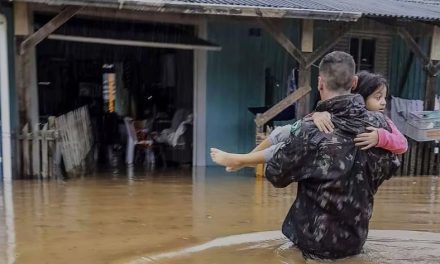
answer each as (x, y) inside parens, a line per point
(236, 81)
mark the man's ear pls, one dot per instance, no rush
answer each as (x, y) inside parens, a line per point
(320, 83)
(354, 83)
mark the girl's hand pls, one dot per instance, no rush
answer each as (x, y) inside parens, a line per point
(368, 139)
(323, 121)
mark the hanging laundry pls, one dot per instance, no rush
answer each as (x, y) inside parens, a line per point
(401, 109)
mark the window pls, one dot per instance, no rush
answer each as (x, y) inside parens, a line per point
(363, 51)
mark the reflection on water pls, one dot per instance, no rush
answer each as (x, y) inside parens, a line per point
(121, 217)
(383, 246)
(7, 225)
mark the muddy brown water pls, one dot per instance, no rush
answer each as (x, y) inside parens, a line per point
(195, 216)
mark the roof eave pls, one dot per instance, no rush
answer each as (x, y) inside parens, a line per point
(209, 9)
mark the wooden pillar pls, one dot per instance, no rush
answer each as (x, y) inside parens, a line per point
(435, 44)
(303, 81)
(304, 74)
(26, 69)
(432, 72)
(430, 92)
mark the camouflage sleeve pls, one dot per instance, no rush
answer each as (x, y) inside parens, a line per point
(291, 160)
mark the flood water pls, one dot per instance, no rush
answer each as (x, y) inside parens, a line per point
(195, 216)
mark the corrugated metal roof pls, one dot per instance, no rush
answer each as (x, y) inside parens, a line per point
(265, 8)
(411, 9)
(319, 9)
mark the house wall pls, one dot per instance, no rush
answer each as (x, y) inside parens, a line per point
(236, 81)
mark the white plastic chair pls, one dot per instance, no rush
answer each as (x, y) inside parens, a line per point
(132, 140)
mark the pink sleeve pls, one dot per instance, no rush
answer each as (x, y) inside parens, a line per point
(394, 141)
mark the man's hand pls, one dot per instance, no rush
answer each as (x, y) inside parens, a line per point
(368, 139)
(323, 121)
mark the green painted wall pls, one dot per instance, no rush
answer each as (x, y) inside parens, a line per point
(236, 81)
(414, 87)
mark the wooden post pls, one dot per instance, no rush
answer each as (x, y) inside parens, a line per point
(430, 92)
(26, 157)
(22, 28)
(304, 74)
(44, 151)
(307, 36)
(51, 147)
(303, 106)
(431, 78)
(26, 69)
(435, 44)
(36, 169)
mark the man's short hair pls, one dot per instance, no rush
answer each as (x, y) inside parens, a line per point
(338, 70)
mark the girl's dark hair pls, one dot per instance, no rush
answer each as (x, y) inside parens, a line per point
(368, 83)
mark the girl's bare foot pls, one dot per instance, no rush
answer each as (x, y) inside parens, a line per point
(224, 158)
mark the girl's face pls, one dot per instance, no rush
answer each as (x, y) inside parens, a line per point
(376, 101)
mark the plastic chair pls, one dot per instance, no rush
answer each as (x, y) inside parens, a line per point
(132, 140)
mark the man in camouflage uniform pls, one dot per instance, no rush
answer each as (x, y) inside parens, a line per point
(336, 180)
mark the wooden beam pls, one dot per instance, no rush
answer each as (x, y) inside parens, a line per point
(276, 32)
(48, 28)
(303, 105)
(430, 91)
(304, 73)
(327, 45)
(280, 106)
(133, 43)
(435, 44)
(412, 45)
(21, 19)
(307, 35)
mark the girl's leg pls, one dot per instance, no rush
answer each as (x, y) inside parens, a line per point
(278, 135)
(262, 153)
(234, 162)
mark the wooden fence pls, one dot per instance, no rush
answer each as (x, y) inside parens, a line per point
(37, 149)
(67, 138)
(422, 158)
(75, 138)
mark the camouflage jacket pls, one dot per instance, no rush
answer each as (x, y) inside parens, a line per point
(336, 180)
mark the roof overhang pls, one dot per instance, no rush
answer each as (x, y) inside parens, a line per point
(209, 9)
(115, 33)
